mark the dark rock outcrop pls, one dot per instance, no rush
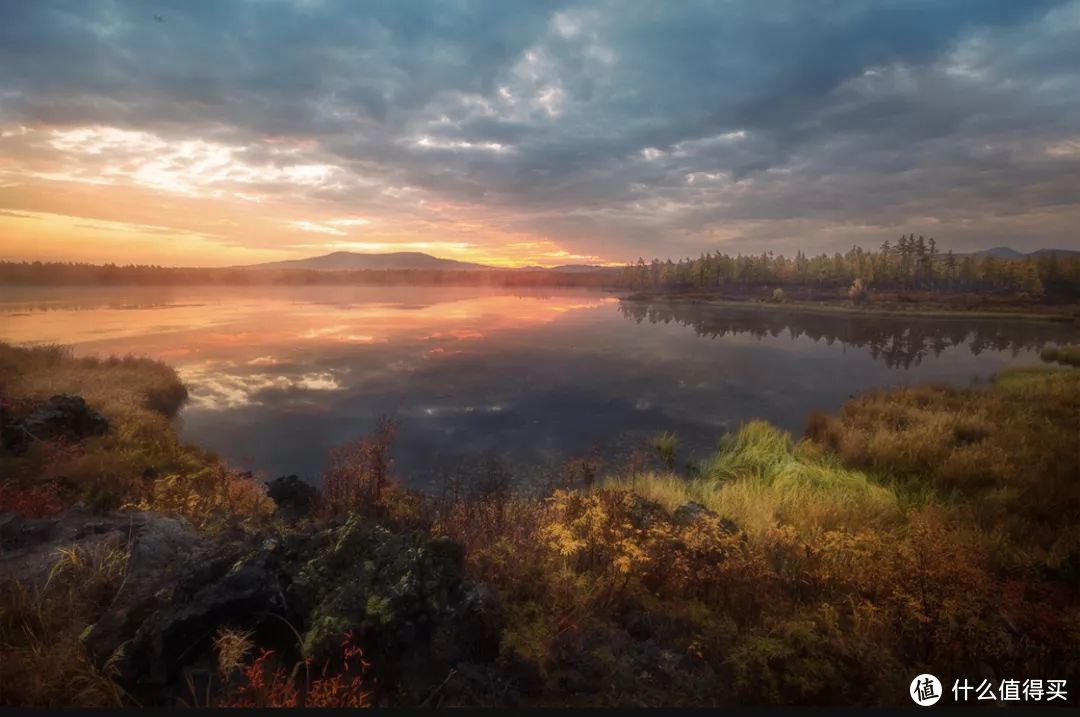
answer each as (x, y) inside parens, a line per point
(400, 595)
(28, 546)
(293, 496)
(690, 513)
(60, 418)
(180, 587)
(645, 513)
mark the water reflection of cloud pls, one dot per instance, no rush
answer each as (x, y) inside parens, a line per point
(458, 410)
(517, 378)
(214, 388)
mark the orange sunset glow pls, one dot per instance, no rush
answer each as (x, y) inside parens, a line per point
(97, 194)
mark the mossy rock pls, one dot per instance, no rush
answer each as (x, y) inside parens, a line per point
(392, 591)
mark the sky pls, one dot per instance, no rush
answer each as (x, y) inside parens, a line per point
(199, 133)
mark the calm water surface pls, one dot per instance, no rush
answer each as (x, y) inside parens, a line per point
(279, 375)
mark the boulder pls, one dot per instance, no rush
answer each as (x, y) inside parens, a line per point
(28, 546)
(401, 595)
(61, 418)
(644, 513)
(179, 588)
(690, 513)
(293, 496)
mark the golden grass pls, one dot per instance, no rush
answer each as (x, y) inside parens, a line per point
(760, 479)
(42, 660)
(138, 396)
(1008, 454)
(116, 386)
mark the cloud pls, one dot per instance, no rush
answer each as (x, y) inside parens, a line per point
(608, 129)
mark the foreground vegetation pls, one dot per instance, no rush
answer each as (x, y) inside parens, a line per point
(926, 529)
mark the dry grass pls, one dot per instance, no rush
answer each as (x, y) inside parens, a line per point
(42, 661)
(1008, 453)
(210, 498)
(116, 386)
(138, 396)
(760, 479)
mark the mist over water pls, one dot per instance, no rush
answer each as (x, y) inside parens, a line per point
(524, 380)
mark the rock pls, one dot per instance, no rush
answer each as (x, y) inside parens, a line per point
(62, 417)
(643, 512)
(293, 496)
(28, 546)
(179, 588)
(690, 513)
(399, 594)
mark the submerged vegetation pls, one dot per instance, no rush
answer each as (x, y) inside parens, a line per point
(922, 529)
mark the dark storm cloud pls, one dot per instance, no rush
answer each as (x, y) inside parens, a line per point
(618, 128)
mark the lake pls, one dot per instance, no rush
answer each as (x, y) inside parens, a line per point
(516, 379)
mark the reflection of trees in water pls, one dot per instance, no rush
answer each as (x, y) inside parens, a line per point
(898, 341)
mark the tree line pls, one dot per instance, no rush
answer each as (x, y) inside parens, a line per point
(912, 263)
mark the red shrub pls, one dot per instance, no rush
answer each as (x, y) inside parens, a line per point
(266, 687)
(30, 501)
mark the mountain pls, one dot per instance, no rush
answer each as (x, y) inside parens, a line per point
(352, 261)
(1004, 252)
(1059, 252)
(580, 268)
(1000, 252)
(570, 268)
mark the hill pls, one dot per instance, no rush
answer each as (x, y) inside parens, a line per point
(1004, 252)
(353, 261)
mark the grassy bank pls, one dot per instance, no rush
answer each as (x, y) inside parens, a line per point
(139, 462)
(926, 529)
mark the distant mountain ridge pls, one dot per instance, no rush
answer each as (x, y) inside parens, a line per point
(354, 261)
(397, 261)
(1005, 252)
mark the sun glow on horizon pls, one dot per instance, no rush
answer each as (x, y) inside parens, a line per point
(102, 194)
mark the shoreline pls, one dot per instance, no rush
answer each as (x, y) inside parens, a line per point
(826, 307)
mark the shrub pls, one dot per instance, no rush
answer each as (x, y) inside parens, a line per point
(360, 473)
(264, 685)
(857, 292)
(215, 497)
(32, 501)
(665, 444)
